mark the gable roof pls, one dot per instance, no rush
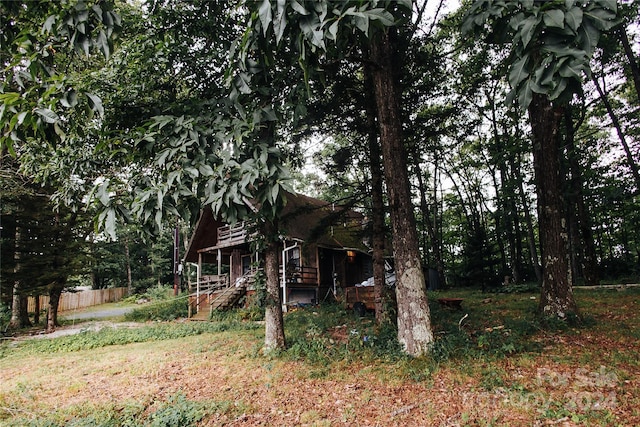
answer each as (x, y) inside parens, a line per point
(303, 218)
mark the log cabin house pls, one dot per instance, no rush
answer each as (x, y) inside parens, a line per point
(323, 250)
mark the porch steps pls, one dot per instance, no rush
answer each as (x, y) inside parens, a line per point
(220, 300)
(226, 298)
(203, 314)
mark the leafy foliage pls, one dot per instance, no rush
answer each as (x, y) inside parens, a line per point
(552, 42)
(5, 317)
(177, 411)
(36, 100)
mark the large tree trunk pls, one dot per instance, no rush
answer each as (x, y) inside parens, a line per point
(55, 291)
(556, 297)
(274, 338)
(414, 323)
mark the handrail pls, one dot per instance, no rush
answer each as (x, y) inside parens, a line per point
(209, 284)
(226, 293)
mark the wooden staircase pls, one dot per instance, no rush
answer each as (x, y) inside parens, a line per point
(219, 300)
(226, 298)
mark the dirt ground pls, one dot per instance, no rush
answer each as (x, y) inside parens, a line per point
(586, 378)
(243, 390)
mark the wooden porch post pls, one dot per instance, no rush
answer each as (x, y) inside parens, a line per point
(198, 279)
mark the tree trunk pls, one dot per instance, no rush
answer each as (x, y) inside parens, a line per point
(414, 323)
(55, 290)
(128, 261)
(380, 290)
(437, 221)
(36, 314)
(274, 338)
(511, 223)
(431, 231)
(531, 239)
(19, 315)
(557, 294)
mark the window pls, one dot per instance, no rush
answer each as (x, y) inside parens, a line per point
(246, 264)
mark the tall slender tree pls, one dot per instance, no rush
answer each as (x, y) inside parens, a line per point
(551, 46)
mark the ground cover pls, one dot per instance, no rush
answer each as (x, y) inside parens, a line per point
(494, 363)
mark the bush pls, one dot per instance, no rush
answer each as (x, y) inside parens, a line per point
(157, 293)
(161, 310)
(177, 412)
(253, 308)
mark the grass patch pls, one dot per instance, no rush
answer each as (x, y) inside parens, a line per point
(88, 340)
(175, 411)
(160, 310)
(328, 333)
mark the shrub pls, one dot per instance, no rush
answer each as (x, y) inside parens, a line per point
(158, 293)
(161, 310)
(253, 308)
(177, 412)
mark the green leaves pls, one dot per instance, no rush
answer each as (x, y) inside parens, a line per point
(573, 18)
(553, 18)
(551, 43)
(47, 115)
(264, 12)
(39, 40)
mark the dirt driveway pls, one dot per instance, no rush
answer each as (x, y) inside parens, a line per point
(97, 313)
(98, 316)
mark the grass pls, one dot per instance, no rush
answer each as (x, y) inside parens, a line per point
(495, 362)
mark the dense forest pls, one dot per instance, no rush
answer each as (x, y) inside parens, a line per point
(495, 144)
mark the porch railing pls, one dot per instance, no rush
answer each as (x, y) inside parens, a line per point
(213, 282)
(300, 276)
(230, 235)
(206, 286)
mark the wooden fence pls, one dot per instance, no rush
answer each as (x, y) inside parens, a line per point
(76, 300)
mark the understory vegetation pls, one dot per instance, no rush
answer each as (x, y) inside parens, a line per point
(496, 342)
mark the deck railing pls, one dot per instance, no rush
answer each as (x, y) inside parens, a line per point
(202, 290)
(230, 235)
(213, 282)
(300, 276)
